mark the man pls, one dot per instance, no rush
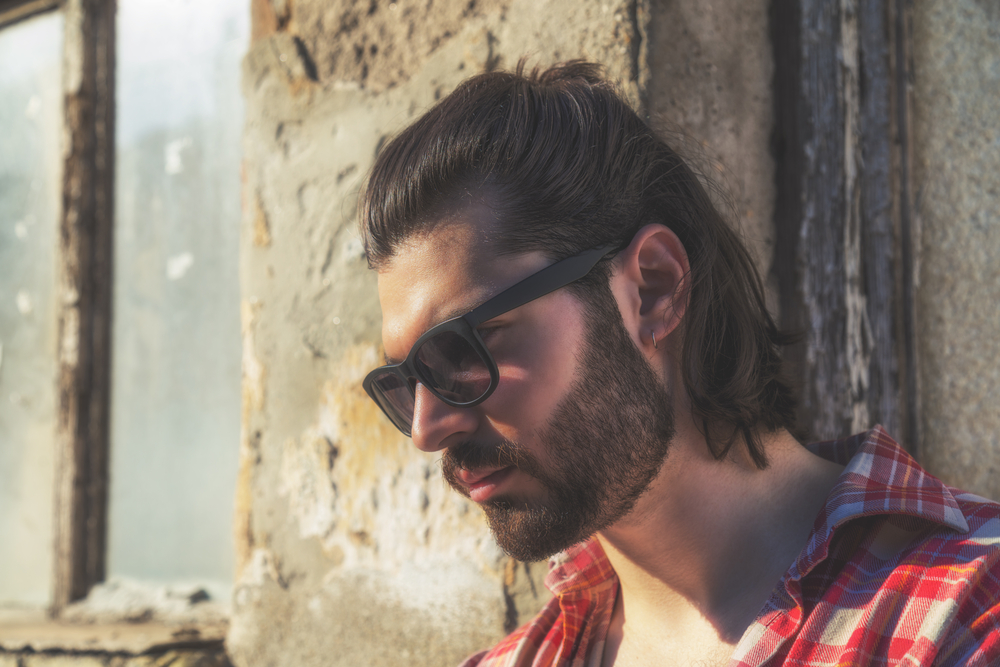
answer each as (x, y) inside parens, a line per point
(569, 320)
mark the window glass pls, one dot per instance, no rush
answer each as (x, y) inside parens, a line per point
(176, 357)
(30, 127)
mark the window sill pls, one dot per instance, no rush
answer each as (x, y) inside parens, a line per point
(132, 638)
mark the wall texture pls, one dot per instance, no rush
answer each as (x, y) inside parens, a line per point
(709, 78)
(213, 658)
(956, 138)
(351, 549)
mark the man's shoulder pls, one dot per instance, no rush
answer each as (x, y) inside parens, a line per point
(896, 527)
(917, 583)
(956, 558)
(982, 514)
(899, 563)
(972, 536)
(971, 557)
(946, 527)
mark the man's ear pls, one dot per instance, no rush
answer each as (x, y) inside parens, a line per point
(652, 285)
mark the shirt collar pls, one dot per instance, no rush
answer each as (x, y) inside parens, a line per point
(880, 478)
(581, 567)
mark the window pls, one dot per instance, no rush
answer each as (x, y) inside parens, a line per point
(119, 433)
(30, 69)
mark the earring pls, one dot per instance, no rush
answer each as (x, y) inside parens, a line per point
(652, 335)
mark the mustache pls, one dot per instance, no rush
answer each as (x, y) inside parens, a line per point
(472, 455)
(503, 454)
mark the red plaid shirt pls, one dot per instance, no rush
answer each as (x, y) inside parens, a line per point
(898, 570)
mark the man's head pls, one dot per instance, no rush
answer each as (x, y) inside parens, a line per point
(510, 174)
(579, 423)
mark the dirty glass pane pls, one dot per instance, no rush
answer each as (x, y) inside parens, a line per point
(176, 369)
(30, 127)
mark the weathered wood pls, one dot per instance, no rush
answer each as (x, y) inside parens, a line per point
(811, 210)
(85, 247)
(879, 237)
(788, 139)
(837, 253)
(907, 334)
(12, 11)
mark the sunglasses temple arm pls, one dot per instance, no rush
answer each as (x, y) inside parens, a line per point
(535, 286)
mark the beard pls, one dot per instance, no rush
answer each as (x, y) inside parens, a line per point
(607, 440)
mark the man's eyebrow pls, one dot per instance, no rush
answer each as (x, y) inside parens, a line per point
(449, 315)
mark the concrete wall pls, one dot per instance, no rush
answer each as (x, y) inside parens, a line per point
(956, 138)
(710, 76)
(351, 549)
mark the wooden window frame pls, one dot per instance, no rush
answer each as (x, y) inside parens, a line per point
(83, 290)
(84, 314)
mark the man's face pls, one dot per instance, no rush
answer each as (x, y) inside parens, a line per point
(579, 424)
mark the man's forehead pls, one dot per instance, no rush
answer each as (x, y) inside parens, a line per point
(455, 246)
(445, 272)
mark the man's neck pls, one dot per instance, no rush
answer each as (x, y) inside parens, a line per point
(709, 540)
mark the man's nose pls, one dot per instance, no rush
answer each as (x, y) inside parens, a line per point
(435, 422)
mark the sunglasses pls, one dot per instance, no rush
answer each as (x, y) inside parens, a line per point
(450, 358)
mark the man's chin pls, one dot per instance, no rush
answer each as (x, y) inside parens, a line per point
(529, 533)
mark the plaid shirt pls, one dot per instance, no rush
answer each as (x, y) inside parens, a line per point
(898, 570)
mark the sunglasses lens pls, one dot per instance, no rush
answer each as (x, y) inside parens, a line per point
(395, 398)
(453, 368)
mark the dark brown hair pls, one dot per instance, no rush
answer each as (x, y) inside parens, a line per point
(566, 165)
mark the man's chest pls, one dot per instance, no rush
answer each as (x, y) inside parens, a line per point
(650, 654)
(637, 645)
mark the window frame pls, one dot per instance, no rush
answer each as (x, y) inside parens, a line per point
(83, 291)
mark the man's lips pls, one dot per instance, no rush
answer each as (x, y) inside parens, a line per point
(482, 483)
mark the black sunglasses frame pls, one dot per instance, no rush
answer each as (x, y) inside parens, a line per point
(535, 286)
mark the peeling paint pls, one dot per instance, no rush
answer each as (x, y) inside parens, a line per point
(261, 236)
(253, 379)
(264, 566)
(253, 370)
(69, 349)
(307, 480)
(266, 19)
(243, 540)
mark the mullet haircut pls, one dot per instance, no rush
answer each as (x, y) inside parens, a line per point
(566, 165)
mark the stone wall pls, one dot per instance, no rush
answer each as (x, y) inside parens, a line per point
(351, 548)
(956, 185)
